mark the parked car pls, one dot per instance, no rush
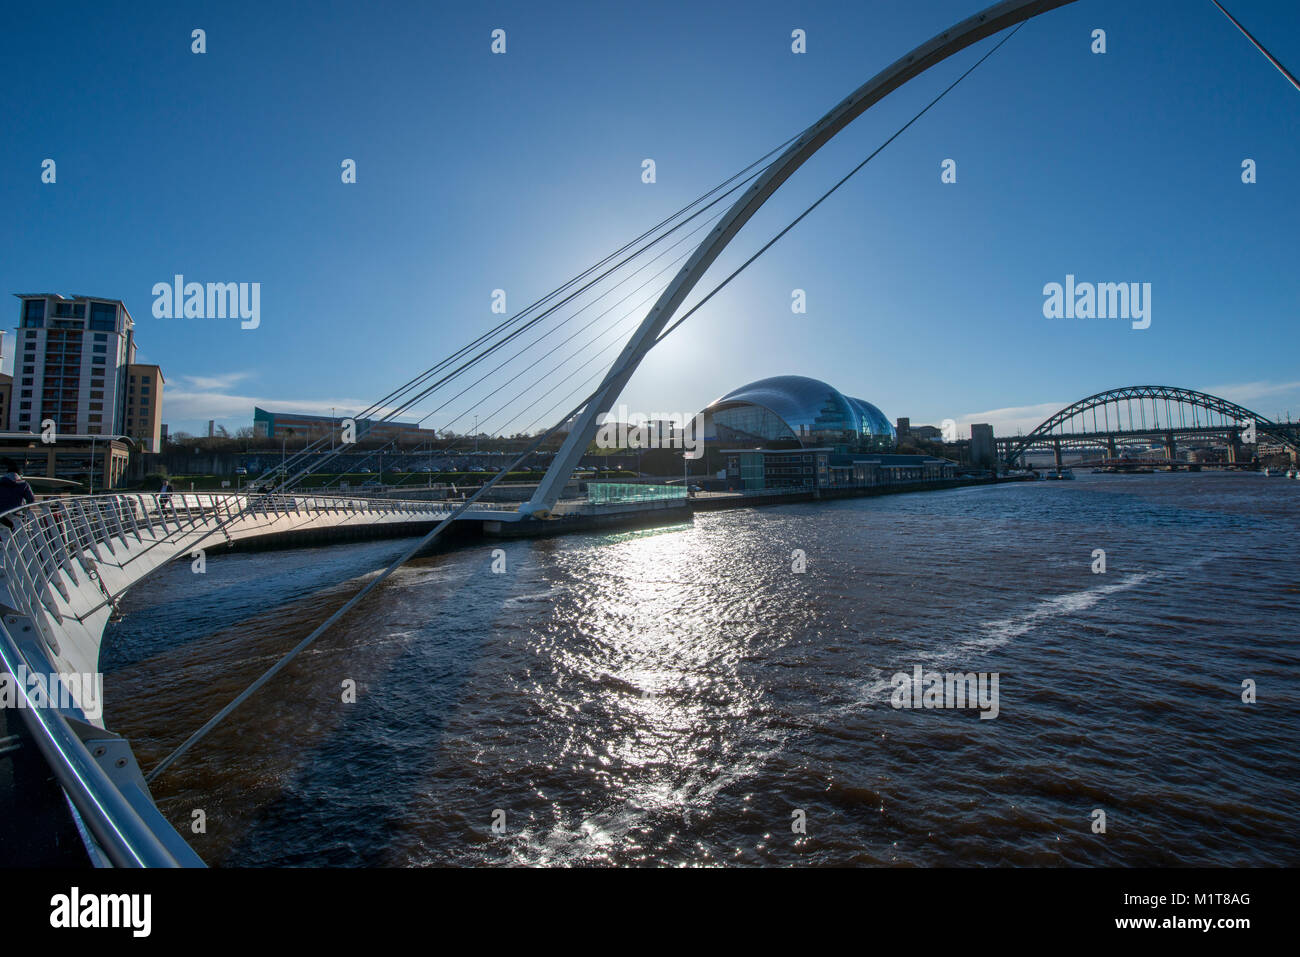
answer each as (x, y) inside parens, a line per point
(241, 471)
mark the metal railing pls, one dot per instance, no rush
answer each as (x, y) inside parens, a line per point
(39, 539)
(75, 536)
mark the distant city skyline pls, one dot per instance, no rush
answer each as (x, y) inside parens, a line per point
(477, 172)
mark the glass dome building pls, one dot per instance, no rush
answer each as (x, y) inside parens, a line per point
(796, 409)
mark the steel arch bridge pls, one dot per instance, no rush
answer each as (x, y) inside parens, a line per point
(1140, 413)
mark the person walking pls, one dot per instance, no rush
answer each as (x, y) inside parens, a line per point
(164, 494)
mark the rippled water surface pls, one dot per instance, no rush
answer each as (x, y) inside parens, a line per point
(674, 696)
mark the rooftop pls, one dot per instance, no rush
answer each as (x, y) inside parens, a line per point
(63, 298)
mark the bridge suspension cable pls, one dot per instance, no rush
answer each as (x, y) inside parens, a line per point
(641, 244)
(631, 314)
(597, 318)
(1259, 46)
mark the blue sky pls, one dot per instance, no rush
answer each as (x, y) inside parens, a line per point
(478, 171)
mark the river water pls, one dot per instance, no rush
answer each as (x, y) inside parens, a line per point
(682, 696)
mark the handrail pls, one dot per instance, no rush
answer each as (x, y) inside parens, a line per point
(50, 532)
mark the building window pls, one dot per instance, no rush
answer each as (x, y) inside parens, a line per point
(27, 393)
(24, 405)
(70, 310)
(101, 348)
(97, 383)
(96, 407)
(101, 337)
(33, 314)
(98, 360)
(103, 315)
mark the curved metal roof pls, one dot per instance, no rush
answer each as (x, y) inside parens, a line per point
(808, 406)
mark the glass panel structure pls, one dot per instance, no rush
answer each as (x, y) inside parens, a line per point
(613, 493)
(796, 409)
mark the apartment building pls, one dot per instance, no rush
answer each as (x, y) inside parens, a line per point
(71, 360)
